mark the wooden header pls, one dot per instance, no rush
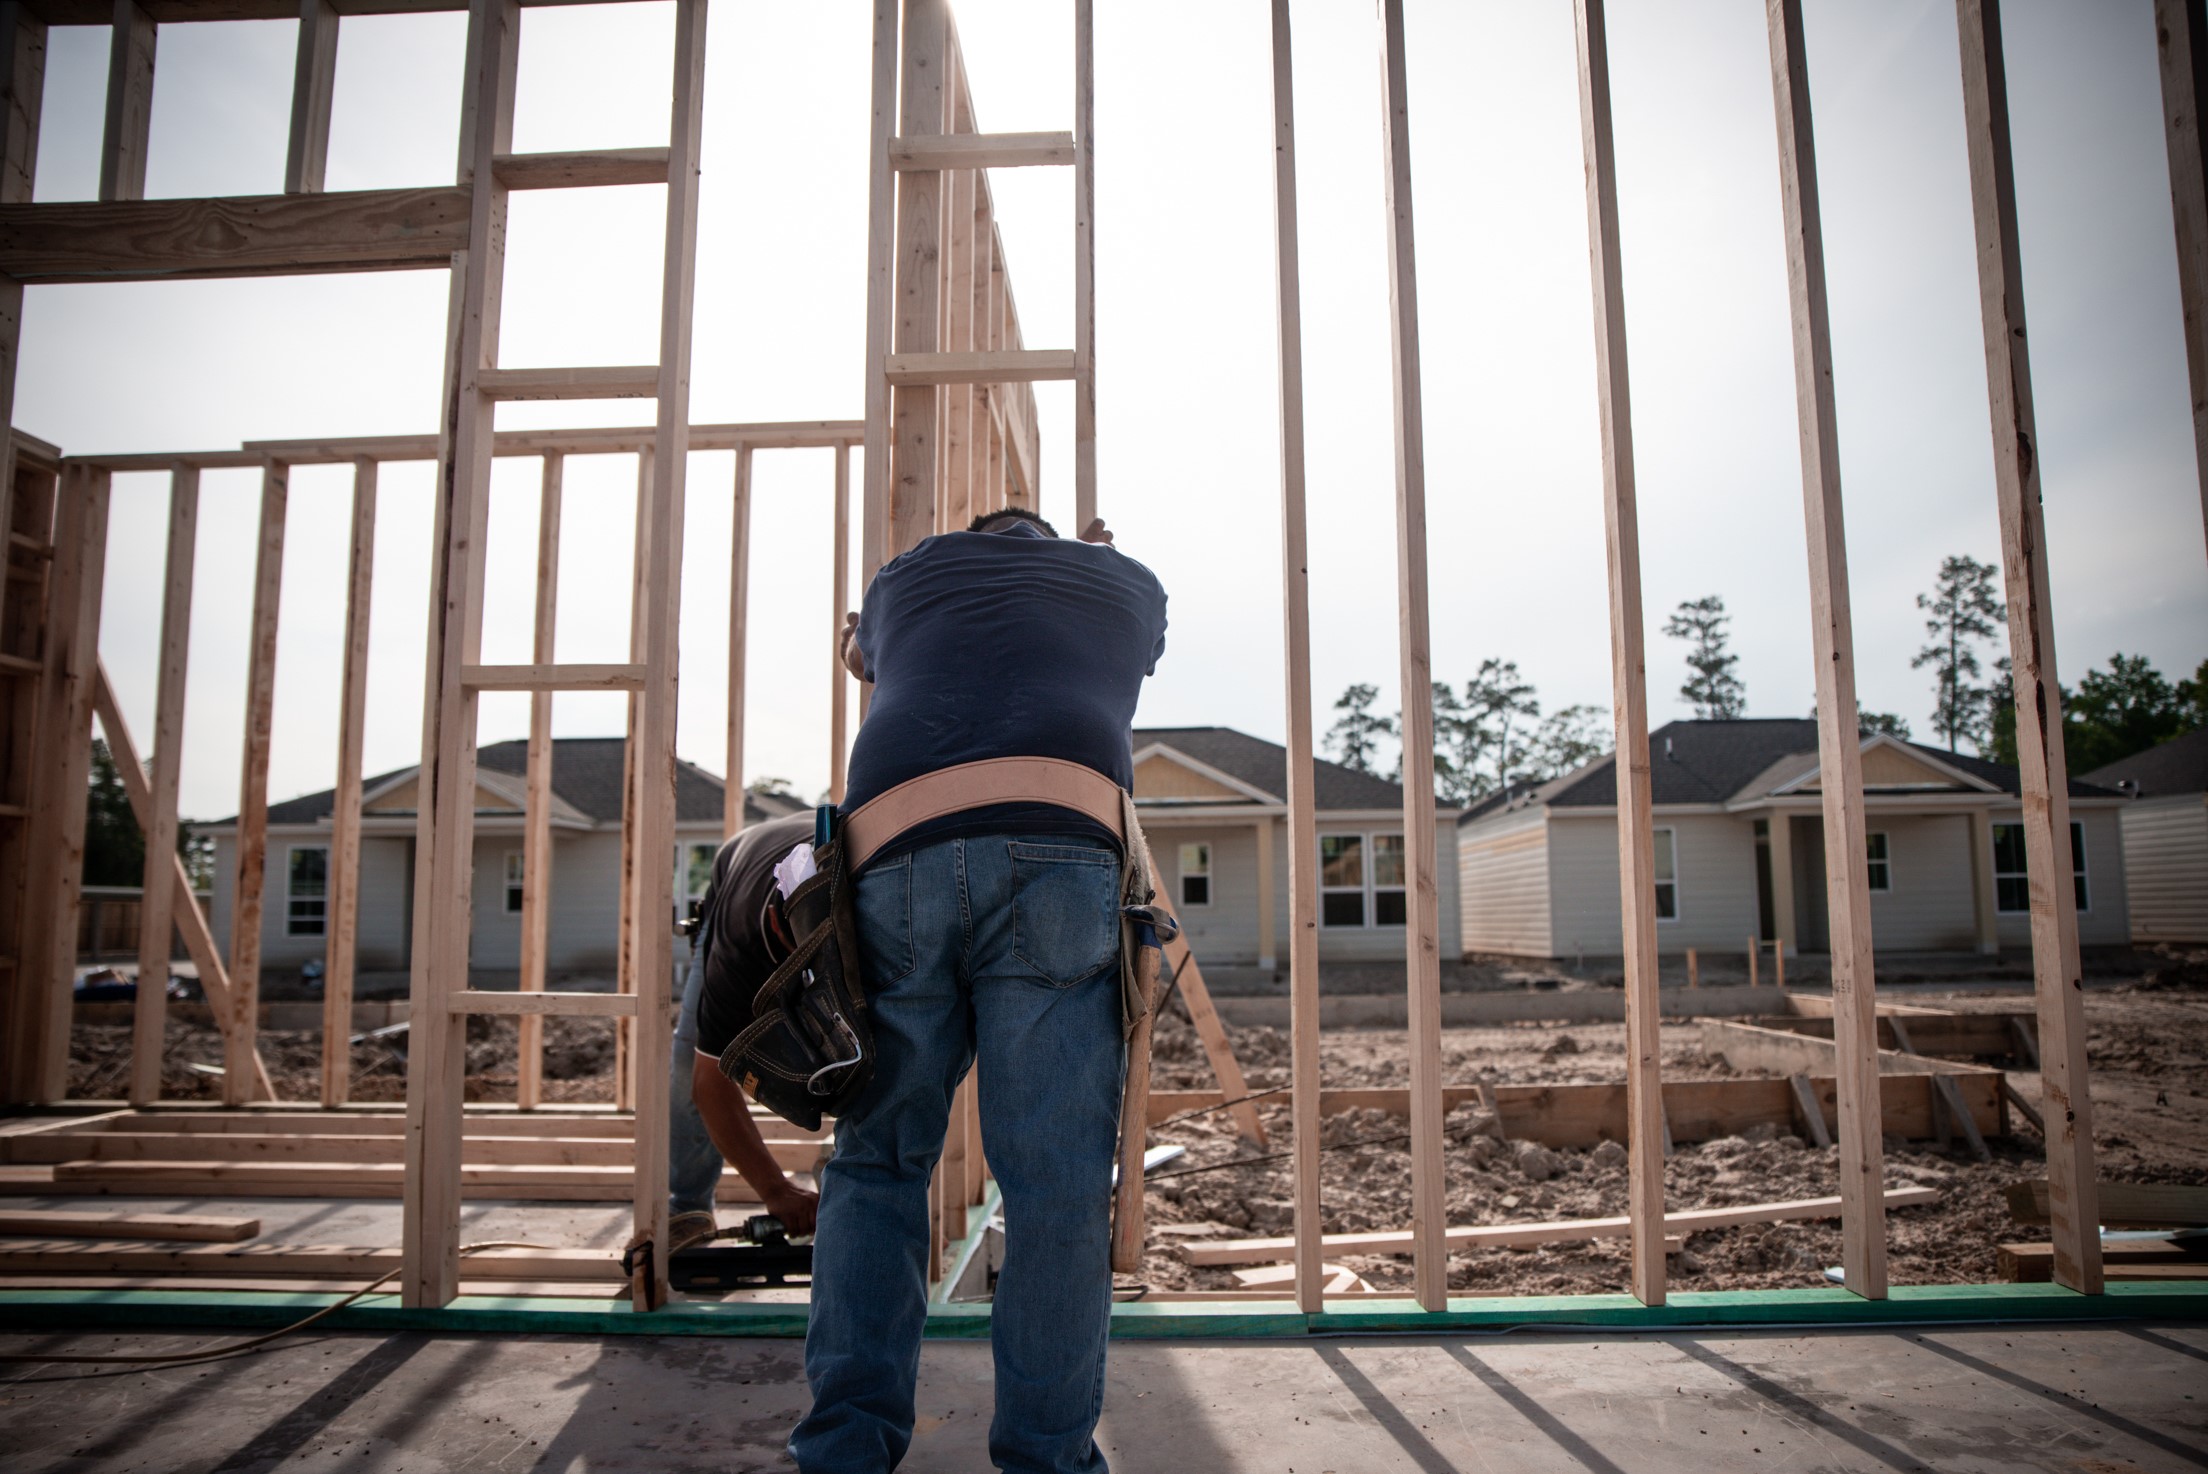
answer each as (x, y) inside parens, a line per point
(613, 440)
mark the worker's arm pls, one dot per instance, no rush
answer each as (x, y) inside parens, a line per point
(727, 1118)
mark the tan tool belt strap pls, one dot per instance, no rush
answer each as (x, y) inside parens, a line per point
(981, 785)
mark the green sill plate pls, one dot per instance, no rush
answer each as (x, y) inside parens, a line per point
(84, 1310)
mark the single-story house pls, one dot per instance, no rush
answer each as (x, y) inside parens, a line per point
(2165, 826)
(586, 861)
(1740, 850)
(1214, 805)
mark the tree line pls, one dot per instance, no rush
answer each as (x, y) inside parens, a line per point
(1494, 733)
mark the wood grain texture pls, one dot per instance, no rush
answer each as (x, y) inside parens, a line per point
(352, 727)
(22, 96)
(199, 941)
(129, 127)
(156, 910)
(739, 637)
(313, 87)
(1295, 572)
(881, 289)
(250, 888)
(914, 416)
(536, 842)
(2039, 737)
(1839, 745)
(582, 169)
(839, 679)
(1084, 262)
(254, 235)
(1422, 931)
(2181, 44)
(1628, 664)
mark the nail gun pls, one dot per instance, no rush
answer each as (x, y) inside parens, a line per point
(757, 1253)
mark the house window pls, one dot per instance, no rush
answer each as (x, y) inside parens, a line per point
(1389, 908)
(1195, 875)
(513, 882)
(307, 891)
(1667, 875)
(1342, 879)
(694, 870)
(1882, 876)
(2012, 888)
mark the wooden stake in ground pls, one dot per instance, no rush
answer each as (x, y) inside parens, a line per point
(2039, 744)
(1648, 1143)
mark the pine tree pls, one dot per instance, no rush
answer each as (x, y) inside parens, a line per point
(1965, 606)
(114, 848)
(1714, 692)
(1355, 739)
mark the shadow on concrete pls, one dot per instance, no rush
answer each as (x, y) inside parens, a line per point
(1801, 1407)
(2078, 1405)
(2167, 1343)
(308, 1419)
(1384, 1412)
(1532, 1411)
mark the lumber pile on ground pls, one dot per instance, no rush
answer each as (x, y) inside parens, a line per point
(65, 1223)
(272, 1152)
(1526, 1235)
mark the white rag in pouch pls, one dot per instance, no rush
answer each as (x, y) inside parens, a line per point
(794, 869)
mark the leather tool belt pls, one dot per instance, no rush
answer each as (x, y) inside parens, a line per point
(809, 1050)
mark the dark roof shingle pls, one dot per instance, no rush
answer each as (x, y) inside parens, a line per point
(2179, 765)
(1264, 765)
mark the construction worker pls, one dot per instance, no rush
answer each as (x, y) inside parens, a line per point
(989, 938)
(740, 938)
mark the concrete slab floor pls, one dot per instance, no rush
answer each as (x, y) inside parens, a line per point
(2090, 1399)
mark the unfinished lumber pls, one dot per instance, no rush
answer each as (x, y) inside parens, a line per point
(352, 724)
(739, 612)
(22, 99)
(2039, 735)
(1188, 976)
(1839, 744)
(250, 887)
(199, 941)
(583, 169)
(2030, 1112)
(313, 88)
(157, 902)
(1648, 1139)
(255, 235)
(1813, 1111)
(1303, 838)
(515, 1182)
(129, 130)
(2123, 1204)
(444, 830)
(1084, 262)
(2181, 33)
(1429, 1189)
(336, 1143)
(331, 1261)
(1219, 1252)
(536, 832)
(57, 1223)
(839, 583)
(911, 486)
(1786, 1052)
(2124, 1259)
(882, 276)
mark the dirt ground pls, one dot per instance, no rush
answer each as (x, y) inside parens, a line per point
(2147, 1044)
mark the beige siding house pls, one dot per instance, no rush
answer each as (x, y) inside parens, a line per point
(586, 862)
(1214, 806)
(2165, 836)
(1740, 851)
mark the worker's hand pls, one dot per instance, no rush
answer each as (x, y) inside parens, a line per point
(1097, 532)
(847, 647)
(797, 1207)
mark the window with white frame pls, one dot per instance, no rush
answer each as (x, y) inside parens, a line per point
(1667, 875)
(1362, 880)
(513, 882)
(1882, 874)
(307, 891)
(1341, 880)
(1389, 907)
(1195, 874)
(2012, 885)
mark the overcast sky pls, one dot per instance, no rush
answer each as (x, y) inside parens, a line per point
(1186, 367)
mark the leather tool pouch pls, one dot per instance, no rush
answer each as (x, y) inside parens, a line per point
(809, 1049)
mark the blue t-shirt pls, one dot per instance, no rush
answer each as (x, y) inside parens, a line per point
(1003, 644)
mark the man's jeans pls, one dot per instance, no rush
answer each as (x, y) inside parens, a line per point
(693, 1162)
(1005, 947)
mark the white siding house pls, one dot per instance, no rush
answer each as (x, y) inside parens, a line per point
(2165, 837)
(1739, 831)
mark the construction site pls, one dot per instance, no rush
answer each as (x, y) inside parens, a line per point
(381, 1199)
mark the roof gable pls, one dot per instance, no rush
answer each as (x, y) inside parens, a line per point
(1166, 775)
(1893, 766)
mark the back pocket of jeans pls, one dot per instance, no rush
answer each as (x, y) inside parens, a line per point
(1065, 911)
(883, 896)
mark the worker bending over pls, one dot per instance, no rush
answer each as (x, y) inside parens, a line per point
(741, 938)
(988, 935)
